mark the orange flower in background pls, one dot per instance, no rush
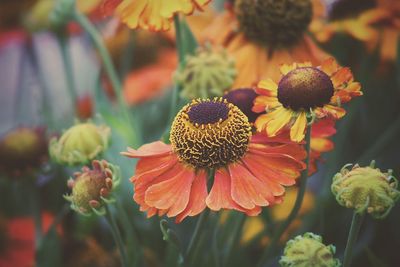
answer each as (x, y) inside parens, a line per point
(301, 90)
(154, 15)
(372, 22)
(18, 249)
(141, 85)
(262, 35)
(206, 135)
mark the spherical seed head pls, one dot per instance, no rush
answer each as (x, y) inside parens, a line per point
(305, 88)
(23, 148)
(366, 189)
(308, 250)
(243, 98)
(210, 133)
(206, 74)
(92, 186)
(341, 9)
(274, 23)
(80, 144)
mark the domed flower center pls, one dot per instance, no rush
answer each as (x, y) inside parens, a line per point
(243, 98)
(274, 23)
(210, 133)
(208, 112)
(341, 9)
(305, 88)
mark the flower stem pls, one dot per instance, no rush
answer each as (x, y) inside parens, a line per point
(109, 67)
(69, 75)
(351, 240)
(117, 236)
(37, 217)
(297, 205)
(181, 59)
(235, 237)
(201, 222)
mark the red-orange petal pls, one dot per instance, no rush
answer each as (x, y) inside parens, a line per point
(157, 148)
(172, 194)
(197, 199)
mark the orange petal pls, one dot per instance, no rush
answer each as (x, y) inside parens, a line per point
(341, 77)
(197, 199)
(246, 190)
(157, 148)
(330, 66)
(172, 194)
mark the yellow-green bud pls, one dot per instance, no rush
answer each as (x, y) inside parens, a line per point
(207, 74)
(366, 189)
(91, 189)
(80, 144)
(308, 251)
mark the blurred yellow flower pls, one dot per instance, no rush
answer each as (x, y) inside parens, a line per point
(154, 15)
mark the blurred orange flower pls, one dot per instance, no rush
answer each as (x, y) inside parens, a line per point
(256, 60)
(19, 238)
(150, 81)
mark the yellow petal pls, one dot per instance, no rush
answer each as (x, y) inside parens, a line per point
(280, 118)
(297, 130)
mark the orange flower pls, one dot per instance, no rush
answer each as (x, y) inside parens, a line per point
(301, 90)
(372, 23)
(257, 58)
(154, 15)
(206, 135)
(140, 85)
(19, 250)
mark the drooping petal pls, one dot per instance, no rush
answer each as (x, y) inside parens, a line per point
(247, 191)
(279, 119)
(197, 200)
(298, 128)
(172, 194)
(154, 149)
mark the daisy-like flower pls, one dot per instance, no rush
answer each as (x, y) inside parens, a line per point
(301, 91)
(212, 136)
(262, 35)
(155, 15)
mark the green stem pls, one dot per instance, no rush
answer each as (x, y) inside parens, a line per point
(117, 236)
(109, 67)
(297, 205)
(132, 237)
(69, 74)
(235, 237)
(351, 240)
(36, 213)
(215, 249)
(201, 222)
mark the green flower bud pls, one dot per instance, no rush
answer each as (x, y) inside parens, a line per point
(207, 74)
(62, 13)
(80, 144)
(91, 189)
(308, 251)
(366, 189)
(22, 149)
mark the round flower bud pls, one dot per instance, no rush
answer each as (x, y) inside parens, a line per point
(366, 189)
(91, 188)
(274, 23)
(308, 251)
(207, 74)
(22, 149)
(80, 144)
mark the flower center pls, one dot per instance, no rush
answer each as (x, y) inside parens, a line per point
(274, 23)
(341, 9)
(210, 133)
(305, 88)
(243, 98)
